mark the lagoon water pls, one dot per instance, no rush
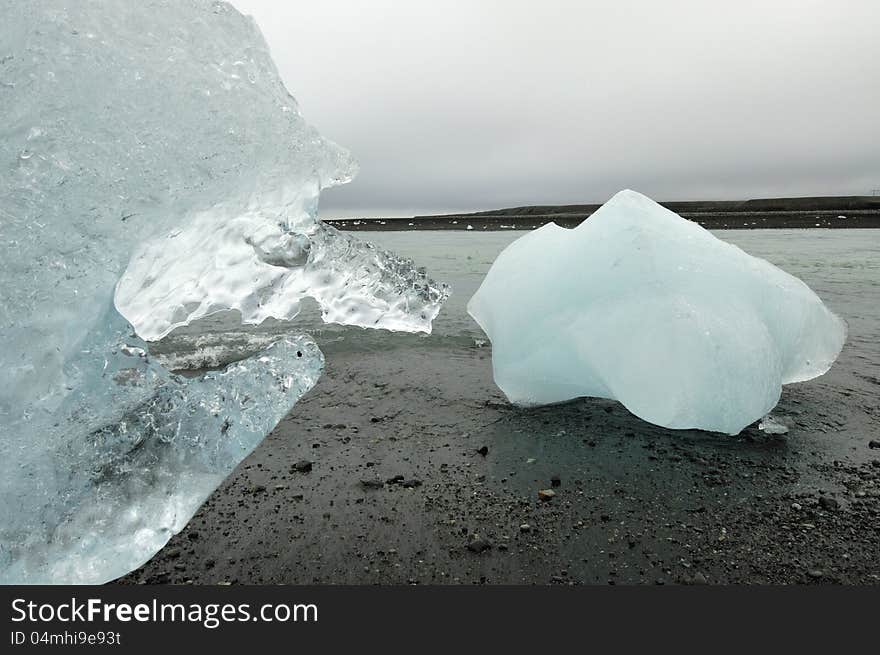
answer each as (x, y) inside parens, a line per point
(841, 266)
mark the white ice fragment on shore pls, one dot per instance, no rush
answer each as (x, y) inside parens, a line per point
(640, 305)
(770, 425)
(154, 138)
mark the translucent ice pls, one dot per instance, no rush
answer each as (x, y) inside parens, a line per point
(153, 145)
(771, 425)
(640, 305)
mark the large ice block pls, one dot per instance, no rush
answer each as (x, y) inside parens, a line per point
(640, 305)
(153, 145)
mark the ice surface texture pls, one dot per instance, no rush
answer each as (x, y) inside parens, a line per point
(153, 144)
(642, 306)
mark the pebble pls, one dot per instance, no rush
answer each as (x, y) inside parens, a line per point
(828, 504)
(546, 494)
(699, 578)
(303, 466)
(478, 545)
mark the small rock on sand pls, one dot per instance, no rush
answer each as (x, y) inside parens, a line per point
(546, 494)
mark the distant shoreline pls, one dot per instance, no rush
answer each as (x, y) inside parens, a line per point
(772, 213)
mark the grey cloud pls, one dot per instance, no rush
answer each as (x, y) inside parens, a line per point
(470, 105)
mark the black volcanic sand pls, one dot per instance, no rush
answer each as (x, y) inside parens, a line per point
(400, 491)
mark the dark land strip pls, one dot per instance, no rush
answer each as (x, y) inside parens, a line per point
(793, 213)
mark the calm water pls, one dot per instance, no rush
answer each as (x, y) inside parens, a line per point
(842, 266)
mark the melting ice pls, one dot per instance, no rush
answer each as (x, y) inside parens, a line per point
(153, 145)
(639, 305)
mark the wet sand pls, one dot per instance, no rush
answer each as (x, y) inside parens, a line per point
(420, 472)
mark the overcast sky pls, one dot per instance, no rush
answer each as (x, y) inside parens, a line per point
(480, 104)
